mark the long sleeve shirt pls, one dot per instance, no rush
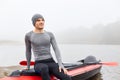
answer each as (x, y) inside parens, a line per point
(40, 44)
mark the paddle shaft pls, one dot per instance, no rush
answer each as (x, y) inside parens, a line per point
(24, 63)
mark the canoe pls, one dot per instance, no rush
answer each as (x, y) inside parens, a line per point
(80, 70)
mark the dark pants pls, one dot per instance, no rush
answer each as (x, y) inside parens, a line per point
(47, 67)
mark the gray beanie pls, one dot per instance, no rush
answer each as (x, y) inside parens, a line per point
(35, 17)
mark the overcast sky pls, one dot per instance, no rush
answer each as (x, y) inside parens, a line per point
(15, 15)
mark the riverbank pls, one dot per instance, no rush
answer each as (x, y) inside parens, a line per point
(6, 71)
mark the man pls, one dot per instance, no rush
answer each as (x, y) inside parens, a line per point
(40, 42)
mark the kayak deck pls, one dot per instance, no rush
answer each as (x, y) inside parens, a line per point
(80, 73)
(77, 71)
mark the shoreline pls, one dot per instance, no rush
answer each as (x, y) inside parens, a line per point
(6, 71)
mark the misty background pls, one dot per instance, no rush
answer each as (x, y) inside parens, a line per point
(98, 34)
(71, 21)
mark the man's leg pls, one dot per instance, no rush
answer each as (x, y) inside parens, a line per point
(54, 69)
(43, 70)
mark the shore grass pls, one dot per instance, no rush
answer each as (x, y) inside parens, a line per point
(6, 71)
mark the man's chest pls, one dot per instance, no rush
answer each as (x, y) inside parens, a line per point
(42, 40)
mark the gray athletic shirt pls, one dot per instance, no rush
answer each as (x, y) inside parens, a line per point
(40, 44)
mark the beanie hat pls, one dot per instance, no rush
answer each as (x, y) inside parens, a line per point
(35, 17)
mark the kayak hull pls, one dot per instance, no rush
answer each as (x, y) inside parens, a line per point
(87, 75)
(77, 71)
(80, 73)
(24, 78)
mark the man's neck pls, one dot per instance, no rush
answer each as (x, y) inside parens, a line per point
(38, 30)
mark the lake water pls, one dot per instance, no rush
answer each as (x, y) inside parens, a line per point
(11, 55)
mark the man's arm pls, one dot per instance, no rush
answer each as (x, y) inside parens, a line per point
(56, 49)
(28, 50)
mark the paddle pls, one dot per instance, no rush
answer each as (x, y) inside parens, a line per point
(109, 63)
(24, 63)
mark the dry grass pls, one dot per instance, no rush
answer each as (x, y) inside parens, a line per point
(6, 71)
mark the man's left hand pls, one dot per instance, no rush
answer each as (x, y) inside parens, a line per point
(64, 70)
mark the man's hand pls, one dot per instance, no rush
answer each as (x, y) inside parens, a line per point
(26, 68)
(64, 70)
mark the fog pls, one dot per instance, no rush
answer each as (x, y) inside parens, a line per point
(98, 34)
(71, 21)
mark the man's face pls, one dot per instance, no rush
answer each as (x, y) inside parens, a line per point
(39, 24)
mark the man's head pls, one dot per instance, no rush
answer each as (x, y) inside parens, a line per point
(36, 17)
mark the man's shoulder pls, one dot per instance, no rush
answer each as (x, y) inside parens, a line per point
(50, 33)
(28, 33)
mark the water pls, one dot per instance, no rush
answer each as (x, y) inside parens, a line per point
(13, 54)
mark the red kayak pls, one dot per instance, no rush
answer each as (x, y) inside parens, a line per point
(81, 70)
